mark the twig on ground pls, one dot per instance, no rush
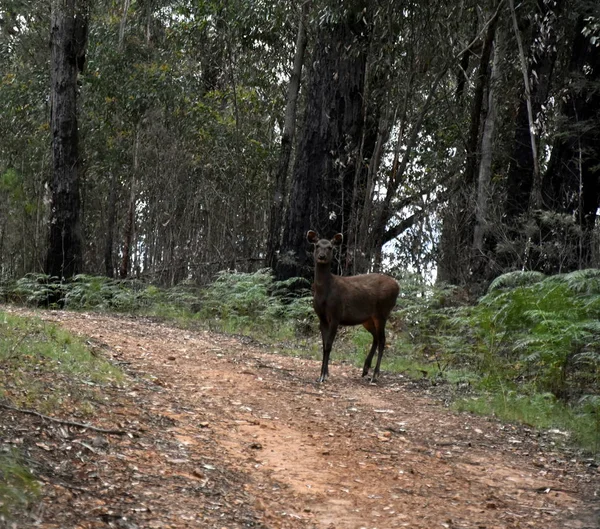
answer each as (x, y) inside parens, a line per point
(63, 421)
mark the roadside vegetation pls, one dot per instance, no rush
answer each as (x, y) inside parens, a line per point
(527, 351)
(43, 370)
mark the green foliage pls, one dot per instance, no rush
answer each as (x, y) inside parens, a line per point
(29, 349)
(538, 330)
(234, 302)
(86, 292)
(425, 313)
(38, 290)
(531, 345)
(516, 279)
(96, 292)
(18, 487)
(237, 301)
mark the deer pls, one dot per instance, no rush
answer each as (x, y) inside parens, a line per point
(366, 299)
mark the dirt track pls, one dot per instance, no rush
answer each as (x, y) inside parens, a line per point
(228, 435)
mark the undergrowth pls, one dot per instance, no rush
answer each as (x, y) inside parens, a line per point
(18, 487)
(256, 304)
(42, 365)
(529, 349)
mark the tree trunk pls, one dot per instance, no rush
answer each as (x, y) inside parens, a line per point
(123, 23)
(109, 266)
(458, 224)
(571, 182)
(485, 169)
(130, 220)
(287, 137)
(324, 170)
(520, 178)
(68, 42)
(530, 112)
(481, 81)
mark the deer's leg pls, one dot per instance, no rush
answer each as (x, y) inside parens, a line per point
(328, 332)
(381, 345)
(370, 326)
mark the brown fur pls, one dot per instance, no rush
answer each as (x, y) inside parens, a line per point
(366, 299)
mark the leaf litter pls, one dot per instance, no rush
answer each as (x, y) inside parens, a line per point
(216, 440)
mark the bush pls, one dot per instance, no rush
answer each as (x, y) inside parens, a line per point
(241, 300)
(541, 330)
(18, 487)
(39, 290)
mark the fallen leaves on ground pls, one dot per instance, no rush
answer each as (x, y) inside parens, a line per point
(222, 434)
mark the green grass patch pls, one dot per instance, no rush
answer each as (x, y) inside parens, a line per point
(578, 423)
(44, 367)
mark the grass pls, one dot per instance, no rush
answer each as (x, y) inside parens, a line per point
(541, 411)
(45, 367)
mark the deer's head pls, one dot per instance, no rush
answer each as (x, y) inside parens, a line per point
(323, 253)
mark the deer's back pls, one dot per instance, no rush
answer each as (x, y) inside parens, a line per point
(355, 299)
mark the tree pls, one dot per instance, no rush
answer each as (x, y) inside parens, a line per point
(570, 184)
(460, 217)
(68, 35)
(323, 177)
(541, 60)
(287, 137)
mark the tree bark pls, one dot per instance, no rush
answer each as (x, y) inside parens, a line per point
(529, 105)
(287, 138)
(324, 170)
(520, 177)
(130, 220)
(485, 168)
(109, 267)
(123, 23)
(481, 81)
(68, 42)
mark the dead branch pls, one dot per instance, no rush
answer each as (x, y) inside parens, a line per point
(63, 421)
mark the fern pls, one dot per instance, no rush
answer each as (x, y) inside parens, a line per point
(516, 279)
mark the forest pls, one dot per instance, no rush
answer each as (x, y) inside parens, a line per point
(161, 162)
(185, 148)
(170, 140)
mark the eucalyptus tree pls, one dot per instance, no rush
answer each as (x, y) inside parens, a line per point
(287, 137)
(24, 135)
(68, 38)
(183, 101)
(570, 183)
(325, 165)
(389, 169)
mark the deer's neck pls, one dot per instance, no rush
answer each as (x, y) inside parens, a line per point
(323, 275)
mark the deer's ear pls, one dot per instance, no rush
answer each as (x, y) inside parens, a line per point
(312, 237)
(337, 239)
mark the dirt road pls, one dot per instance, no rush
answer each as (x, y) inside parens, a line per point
(228, 435)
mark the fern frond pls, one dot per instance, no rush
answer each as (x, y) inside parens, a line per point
(516, 279)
